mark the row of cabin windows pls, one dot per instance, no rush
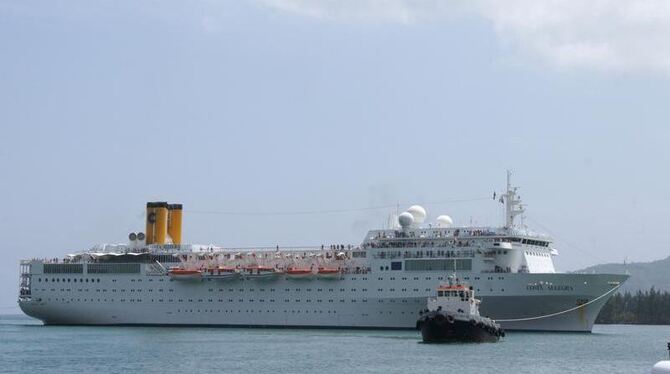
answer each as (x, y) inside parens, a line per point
(539, 254)
(113, 268)
(535, 242)
(540, 243)
(64, 280)
(94, 268)
(222, 290)
(440, 293)
(259, 311)
(82, 280)
(243, 290)
(261, 290)
(63, 268)
(460, 294)
(421, 254)
(274, 311)
(432, 265)
(123, 300)
(293, 311)
(438, 265)
(94, 280)
(97, 290)
(478, 278)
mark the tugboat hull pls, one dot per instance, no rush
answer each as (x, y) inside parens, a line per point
(441, 327)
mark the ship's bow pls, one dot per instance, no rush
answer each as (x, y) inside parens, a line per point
(556, 302)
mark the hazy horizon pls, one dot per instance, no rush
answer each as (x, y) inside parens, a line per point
(294, 106)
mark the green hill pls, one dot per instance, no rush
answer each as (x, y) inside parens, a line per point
(643, 275)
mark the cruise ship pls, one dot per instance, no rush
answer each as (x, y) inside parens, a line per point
(383, 282)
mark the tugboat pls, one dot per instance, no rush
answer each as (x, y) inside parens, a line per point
(453, 316)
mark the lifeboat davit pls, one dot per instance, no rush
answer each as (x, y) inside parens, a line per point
(296, 272)
(177, 273)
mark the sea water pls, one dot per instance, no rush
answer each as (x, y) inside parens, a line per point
(28, 347)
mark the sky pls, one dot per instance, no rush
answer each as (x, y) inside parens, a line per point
(296, 106)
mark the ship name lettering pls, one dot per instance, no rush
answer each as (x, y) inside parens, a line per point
(559, 287)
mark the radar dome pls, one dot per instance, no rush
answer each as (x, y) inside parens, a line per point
(444, 221)
(418, 213)
(406, 219)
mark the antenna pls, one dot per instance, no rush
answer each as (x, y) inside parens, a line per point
(513, 205)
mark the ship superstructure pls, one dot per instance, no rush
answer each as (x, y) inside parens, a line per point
(382, 282)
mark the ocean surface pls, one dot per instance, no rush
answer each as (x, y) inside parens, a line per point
(28, 347)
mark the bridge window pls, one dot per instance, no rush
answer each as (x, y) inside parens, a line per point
(63, 268)
(438, 265)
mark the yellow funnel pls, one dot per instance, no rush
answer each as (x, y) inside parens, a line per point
(160, 233)
(174, 222)
(151, 223)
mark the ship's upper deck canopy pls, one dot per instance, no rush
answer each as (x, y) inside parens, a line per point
(466, 232)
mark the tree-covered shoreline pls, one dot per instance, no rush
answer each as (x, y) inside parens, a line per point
(640, 308)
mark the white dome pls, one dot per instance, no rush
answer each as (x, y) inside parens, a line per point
(661, 367)
(418, 213)
(444, 221)
(406, 219)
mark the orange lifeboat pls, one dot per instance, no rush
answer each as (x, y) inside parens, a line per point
(178, 273)
(328, 272)
(324, 270)
(296, 272)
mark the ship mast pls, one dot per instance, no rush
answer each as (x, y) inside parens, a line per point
(513, 206)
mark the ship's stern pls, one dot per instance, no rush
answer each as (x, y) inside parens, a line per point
(28, 303)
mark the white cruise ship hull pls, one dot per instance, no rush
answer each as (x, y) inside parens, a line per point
(382, 283)
(518, 301)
